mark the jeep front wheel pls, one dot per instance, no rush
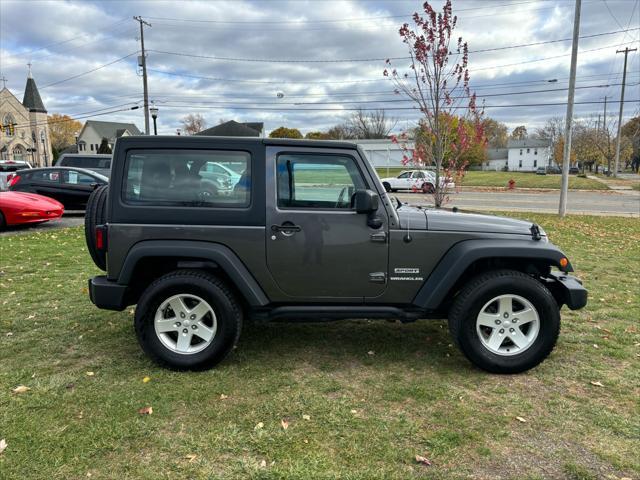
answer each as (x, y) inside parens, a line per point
(188, 320)
(505, 321)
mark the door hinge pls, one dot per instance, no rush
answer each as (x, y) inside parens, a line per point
(378, 277)
(379, 237)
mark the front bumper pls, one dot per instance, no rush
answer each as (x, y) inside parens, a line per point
(107, 294)
(568, 290)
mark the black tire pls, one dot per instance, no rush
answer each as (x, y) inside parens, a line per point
(428, 188)
(386, 186)
(96, 214)
(227, 310)
(480, 290)
(3, 222)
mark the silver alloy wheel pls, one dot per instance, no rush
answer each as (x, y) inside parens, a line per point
(185, 324)
(508, 325)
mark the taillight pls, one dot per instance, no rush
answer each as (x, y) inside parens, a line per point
(13, 181)
(101, 237)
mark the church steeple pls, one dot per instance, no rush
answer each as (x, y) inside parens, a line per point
(32, 100)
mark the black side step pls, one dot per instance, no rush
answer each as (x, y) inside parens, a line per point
(330, 313)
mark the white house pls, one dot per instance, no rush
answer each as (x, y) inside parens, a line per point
(93, 132)
(497, 159)
(528, 154)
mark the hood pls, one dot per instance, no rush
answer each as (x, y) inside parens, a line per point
(28, 200)
(413, 218)
(471, 222)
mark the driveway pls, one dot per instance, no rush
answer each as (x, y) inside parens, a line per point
(579, 202)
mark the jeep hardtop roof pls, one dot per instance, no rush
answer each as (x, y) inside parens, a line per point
(155, 140)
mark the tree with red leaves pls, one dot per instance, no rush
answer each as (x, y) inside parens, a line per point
(437, 81)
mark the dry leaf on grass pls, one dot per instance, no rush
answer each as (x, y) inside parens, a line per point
(263, 464)
(284, 423)
(306, 417)
(146, 411)
(146, 379)
(191, 457)
(259, 426)
(20, 389)
(597, 384)
(89, 374)
(3, 445)
(423, 460)
(354, 411)
(521, 419)
(371, 352)
(223, 396)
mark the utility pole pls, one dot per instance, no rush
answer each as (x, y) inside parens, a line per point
(562, 210)
(624, 79)
(143, 64)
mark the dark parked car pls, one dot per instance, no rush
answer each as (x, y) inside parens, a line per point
(574, 170)
(70, 186)
(541, 171)
(99, 163)
(554, 169)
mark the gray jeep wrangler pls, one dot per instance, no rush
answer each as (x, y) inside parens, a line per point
(203, 232)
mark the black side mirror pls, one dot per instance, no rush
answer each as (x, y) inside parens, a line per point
(365, 201)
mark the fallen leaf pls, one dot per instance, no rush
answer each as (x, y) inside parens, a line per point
(191, 457)
(263, 464)
(371, 352)
(259, 426)
(30, 317)
(223, 396)
(146, 411)
(595, 346)
(20, 389)
(70, 386)
(3, 445)
(354, 411)
(423, 460)
(9, 334)
(596, 384)
(89, 374)
(284, 424)
(521, 419)
(306, 417)
(306, 441)
(146, 379)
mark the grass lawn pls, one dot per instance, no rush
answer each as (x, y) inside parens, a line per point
(361, 398)
(523, 180)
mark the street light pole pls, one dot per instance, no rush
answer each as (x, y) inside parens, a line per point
(154, 114)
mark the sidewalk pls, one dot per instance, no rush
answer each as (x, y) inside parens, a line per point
(617, 184)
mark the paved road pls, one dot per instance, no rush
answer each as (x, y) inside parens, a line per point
(67, 220)
(579, 202)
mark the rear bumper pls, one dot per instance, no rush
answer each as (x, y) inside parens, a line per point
(107, 294)
(568, 290)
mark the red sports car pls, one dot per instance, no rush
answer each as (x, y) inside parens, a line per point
(18, 208)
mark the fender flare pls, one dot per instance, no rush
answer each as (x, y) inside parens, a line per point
(459, 257)
(215, 254)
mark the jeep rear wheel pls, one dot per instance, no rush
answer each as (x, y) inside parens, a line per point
(505, 321)
(188, 320)
(94, 215)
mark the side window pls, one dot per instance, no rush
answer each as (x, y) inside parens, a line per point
(317, 181)
(405, 175)
(73, 177)
(199, 178)
(418, 175)
(46, 176)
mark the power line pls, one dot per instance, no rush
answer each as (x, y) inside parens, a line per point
(379, 59)
(91, 113)
(88, 71)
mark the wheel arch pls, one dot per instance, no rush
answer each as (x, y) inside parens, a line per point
(465, 259)
(149, 259)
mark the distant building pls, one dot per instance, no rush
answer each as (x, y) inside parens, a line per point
(93, 132)
(529, 154)
(24, 131)
(235, 129)
(497, 159)
(384, 152)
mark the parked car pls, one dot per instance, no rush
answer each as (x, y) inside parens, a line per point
(554, 169)
(310, 235)
(574, 170)
(7, 169)
(541, 171)
(99, 163)
(17, 208)
(414, 180)
(69, 186)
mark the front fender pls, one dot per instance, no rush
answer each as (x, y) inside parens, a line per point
(456, 261)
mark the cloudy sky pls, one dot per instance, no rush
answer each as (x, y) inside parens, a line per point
(227, 59)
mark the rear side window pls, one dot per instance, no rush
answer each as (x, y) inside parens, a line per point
(46, 176)
(199, 178)
(317, 181)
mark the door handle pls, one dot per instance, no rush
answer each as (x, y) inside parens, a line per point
(289, 228)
